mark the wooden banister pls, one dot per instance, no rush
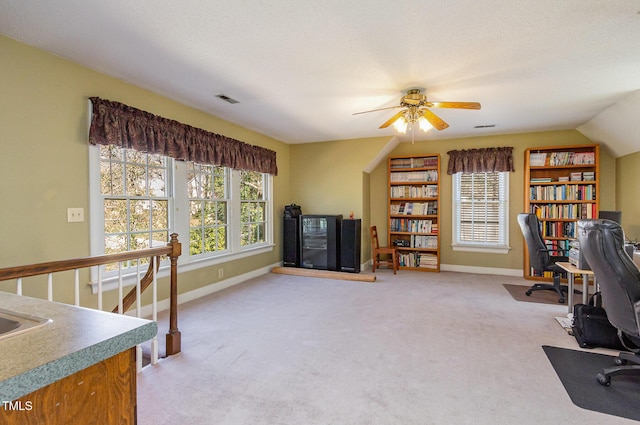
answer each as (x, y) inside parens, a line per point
(172, 250)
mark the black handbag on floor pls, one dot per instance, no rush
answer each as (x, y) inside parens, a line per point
(592, 328)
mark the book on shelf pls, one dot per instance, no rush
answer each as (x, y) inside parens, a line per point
(586, 210)
(414, 162)
(414, 208)
(565, 158)
(541, 180)
(576, 176)
(424, 191)
(537, 159)
(414, 176)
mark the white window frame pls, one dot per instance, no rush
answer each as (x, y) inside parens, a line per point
(178, 223)
(496, 248)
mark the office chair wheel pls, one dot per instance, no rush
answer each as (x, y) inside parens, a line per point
(603, 379)
(561, 301)
(620, 362)
(528, 293)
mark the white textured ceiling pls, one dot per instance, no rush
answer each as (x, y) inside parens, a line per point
(300, 68)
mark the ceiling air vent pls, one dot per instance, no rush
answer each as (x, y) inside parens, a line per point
(485, 126)
(226, 98)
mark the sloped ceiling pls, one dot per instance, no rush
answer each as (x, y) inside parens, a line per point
(300, 69)
(617, 127)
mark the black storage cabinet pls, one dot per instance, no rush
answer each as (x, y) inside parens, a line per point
(291, 245)
(320, 241)
(350, 245)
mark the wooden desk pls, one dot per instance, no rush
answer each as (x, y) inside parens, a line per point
(571, 272)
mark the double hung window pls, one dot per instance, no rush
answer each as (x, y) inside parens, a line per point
(139, 199)
(253, 206)
(480, 208)
(207, 189)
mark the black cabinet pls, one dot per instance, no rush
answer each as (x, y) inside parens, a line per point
(350, 236)
(320, 241)
(291, 245)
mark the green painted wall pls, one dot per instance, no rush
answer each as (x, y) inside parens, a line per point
(328, 178)
(520, 142)
(44, 160)
(628, 193)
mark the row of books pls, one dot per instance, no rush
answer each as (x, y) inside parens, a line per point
(559, 229)
(414, 208)
(418, 259)
(415, 176)
(558, 248)
(424, 191)
(539, 159)
(582, 176)
(562, 192)
(419, 241)
(431, 161)
(416, 226)
(566, 211)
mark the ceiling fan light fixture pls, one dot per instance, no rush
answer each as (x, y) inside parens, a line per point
(424, 124)
(401, 125)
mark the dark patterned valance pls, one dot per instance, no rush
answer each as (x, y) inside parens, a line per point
(114, 123)
(481, 160)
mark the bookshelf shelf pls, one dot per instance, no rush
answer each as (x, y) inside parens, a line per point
(413, 211)
(562, 185)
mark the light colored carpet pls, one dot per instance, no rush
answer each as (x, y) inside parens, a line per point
(414, 348)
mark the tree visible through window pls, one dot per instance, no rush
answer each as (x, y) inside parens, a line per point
(224, 212)
(135, 199)
(136, 202)
(208, 208)
(252, 208)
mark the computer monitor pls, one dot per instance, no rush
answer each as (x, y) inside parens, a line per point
(611, 215)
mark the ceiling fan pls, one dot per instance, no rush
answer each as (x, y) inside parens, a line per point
(416, 110)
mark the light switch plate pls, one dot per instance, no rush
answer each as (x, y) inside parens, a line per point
(75, 215)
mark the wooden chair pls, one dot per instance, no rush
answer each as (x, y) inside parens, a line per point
(377, 250)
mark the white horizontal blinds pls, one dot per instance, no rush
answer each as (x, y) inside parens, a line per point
(482, 207)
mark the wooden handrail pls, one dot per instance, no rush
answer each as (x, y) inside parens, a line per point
(173, 250)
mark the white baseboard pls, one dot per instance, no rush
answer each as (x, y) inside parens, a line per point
(209, 289)
(481, 270)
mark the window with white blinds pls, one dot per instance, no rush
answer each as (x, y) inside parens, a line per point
(481, 205)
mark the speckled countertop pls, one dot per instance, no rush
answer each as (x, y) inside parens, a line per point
(75, 339)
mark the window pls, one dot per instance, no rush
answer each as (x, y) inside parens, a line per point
(480, 208)
(252, 208)
(207, 190)
(139, 199)
(135, 199)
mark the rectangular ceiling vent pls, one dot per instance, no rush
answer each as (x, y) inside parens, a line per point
(485, 126)
(226, 98)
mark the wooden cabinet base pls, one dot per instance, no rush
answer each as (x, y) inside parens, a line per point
(104, 393)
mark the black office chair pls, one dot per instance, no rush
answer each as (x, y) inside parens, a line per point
(540, 258)
(602, 243)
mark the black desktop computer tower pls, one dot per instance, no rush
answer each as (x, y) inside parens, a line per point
(350, 245)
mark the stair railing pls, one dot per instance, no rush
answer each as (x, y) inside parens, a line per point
(172, 250)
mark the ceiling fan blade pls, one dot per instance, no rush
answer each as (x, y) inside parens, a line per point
(457, 105)
(392, 119)
(374, 110)
(434, 120)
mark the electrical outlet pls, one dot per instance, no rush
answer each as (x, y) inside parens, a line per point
(75, 215)
(220, 273)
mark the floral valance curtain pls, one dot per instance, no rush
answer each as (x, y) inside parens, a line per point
(481, 160)
(117, 124)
